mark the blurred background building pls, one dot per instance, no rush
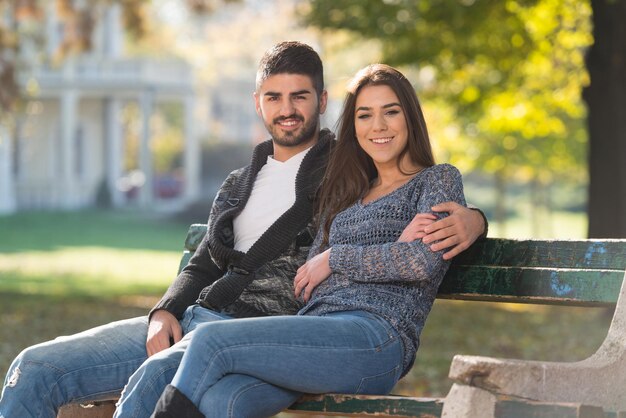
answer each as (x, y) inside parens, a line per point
(69, 151)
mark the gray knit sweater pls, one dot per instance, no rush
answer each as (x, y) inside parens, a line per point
(372, 272)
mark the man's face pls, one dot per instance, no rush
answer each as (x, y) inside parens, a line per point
(290, 109)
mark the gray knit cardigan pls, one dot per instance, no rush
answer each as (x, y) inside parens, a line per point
(273, 259)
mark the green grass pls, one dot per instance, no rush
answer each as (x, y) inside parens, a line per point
(46, 231)
(61, 273)
(102, 254)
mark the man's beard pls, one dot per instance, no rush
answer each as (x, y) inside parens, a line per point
(293, 139)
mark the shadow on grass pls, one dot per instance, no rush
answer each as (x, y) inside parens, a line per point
(30, 319)
(45, 231)
(74, 286)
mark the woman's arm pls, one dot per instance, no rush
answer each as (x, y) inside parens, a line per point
(398, 261)
(402, 261)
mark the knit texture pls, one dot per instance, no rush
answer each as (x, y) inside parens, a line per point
(225, 291)
(372, 272)
(287, 226)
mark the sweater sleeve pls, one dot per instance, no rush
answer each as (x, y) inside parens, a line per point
(486, 230)
(402, 261)
(199, 273)
(184, 291)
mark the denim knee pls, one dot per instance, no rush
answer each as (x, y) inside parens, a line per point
(145, 386)
(31, 377)
(33, 365)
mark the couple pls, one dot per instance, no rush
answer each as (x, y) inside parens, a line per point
(362, 297)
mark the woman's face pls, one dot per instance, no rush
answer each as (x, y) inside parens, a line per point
(380, 125)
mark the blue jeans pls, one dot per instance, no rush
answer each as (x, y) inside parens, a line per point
(257, 367)
(95, 365)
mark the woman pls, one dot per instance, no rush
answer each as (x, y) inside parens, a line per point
(368, 287)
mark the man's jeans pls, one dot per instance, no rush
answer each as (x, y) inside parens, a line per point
(95, 365)
(256, 367)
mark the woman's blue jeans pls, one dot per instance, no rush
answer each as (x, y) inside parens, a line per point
(257, 367)
(96, 365)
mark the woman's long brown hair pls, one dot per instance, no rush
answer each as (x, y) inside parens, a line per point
(350, 170)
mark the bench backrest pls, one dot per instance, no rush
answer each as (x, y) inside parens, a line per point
(568, 272)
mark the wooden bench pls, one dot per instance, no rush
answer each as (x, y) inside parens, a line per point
(563, 272)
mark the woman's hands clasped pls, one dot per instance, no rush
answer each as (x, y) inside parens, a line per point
(311, 274)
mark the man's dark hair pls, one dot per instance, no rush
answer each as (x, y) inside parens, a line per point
(292, 57)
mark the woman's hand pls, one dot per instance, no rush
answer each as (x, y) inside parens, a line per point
(311, 274)
(415, 229)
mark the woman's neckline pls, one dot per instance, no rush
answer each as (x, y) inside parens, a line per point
(361, 203)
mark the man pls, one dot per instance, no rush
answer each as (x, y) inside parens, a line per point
(259, 232)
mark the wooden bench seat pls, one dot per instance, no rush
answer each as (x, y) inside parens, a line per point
(563, 272)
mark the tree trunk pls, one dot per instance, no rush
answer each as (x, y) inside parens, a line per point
(606, 102)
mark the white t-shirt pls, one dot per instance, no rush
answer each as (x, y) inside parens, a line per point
(273, 192)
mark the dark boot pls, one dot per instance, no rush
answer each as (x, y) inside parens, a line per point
(173, 404)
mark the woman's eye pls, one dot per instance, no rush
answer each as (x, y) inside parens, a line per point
(363, 116)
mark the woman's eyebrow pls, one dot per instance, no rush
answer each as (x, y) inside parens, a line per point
(388, 105)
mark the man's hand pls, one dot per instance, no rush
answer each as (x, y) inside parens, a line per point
(311, 274)
(457, 231)
(163, 327)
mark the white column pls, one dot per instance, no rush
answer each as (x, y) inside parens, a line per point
(146, 194)
(53, 35)
(7, 183)
(114, 150)
(113, 31)
(192, 152)
(67, 178)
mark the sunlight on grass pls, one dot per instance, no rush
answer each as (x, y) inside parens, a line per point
(90, 253)
(88, 270)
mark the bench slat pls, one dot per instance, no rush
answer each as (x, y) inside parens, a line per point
(532, 285)
(524, 271)
(194, 236)
(369, 405)
(574, 254)
(580, 254)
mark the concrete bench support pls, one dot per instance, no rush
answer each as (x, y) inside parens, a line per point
(599, 380)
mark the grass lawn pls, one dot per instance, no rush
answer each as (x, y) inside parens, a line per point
(102, 254)
(65, 272)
